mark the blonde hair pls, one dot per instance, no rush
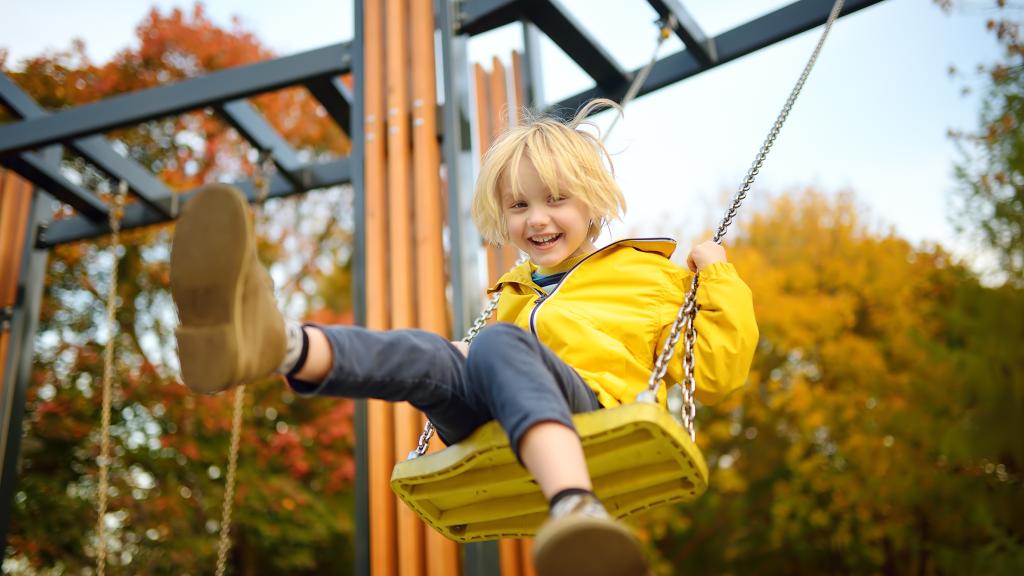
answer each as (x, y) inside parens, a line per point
(565, 156)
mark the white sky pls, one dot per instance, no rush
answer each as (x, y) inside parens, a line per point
(872, 118)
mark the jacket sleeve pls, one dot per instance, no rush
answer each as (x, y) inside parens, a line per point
(726, 333)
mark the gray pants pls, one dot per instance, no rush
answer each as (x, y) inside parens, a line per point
(508, 376)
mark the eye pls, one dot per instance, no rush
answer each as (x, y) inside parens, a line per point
(517, 204)
(560, 199)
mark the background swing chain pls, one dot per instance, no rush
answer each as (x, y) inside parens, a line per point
(688, 311)
(264, 172)
(114, 219)
(665, 28)
(224, 542)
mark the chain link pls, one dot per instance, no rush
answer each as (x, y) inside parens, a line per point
(684, 322)
(116, 213)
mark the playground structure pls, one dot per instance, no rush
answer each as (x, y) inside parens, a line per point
(397, 128)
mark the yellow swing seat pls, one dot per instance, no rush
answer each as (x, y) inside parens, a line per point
(638, 456)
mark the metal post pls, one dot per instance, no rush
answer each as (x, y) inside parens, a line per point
(361, 541)
(481, 559)
(24, 323)
(533, 81)
(458, 157)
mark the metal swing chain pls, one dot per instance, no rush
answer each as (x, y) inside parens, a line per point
(684, 322)
(114, 218)
(264, 173)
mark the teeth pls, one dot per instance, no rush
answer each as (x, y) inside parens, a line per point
(542, 239)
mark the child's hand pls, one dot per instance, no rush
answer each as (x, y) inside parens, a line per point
(462, 346)
(705, 254)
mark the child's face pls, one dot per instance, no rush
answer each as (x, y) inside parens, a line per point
(548, 230)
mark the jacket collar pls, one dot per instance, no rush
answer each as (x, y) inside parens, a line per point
(523, 273)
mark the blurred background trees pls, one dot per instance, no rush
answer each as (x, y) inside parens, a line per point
(879, 433)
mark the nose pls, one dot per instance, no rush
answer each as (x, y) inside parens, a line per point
(537, 217)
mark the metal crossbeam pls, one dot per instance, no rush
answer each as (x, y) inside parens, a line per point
(687, 29)
(336, 99)
(558, 23)
(48, 177)
(784, 23)
(145, 105)
(136, 215)
(94, 149)
(255, 128)
(477, 16)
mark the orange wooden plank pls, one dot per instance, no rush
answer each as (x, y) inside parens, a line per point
(411, 534)
(380, 422)
(509, 557)
(432, 311)
(526, 558)
(517, 88)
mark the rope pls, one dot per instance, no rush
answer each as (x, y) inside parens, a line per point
(114, 218)
(224, 544)
(264, 172)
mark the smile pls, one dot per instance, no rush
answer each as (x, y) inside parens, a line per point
(545, 240)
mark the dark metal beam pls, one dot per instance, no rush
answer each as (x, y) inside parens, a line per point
(136, 216)
(94, 149)
(784, 23)
(558, 23)
(336, 99)
(478, 16)
(48, 177)
(145, 105)
(252, 125)
(687, 29)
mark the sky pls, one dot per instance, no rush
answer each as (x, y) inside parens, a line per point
(872, 119)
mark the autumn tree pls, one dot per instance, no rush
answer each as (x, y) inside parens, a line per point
(170, 446)
(879, 429)
(991, 168)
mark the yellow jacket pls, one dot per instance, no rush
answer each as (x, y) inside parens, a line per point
(611, 314)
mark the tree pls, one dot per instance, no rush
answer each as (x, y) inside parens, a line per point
(170, 447)
(879, 428)
(991, 170)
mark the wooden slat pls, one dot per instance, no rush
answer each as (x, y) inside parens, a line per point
(411, 533)
(380, 420)
(432, 311)
(500, 115)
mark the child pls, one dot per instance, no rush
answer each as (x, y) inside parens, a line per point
(578, 328)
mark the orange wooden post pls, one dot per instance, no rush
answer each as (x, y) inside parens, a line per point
(432, 309)
(15, 203)
(380, 424)
(411, 534)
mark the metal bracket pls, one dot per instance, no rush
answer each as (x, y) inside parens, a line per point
(6, 316)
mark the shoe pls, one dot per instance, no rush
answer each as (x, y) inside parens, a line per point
(230, 329)
(580, 538)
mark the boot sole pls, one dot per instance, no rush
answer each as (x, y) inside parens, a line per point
(587, 546)
(209, 257)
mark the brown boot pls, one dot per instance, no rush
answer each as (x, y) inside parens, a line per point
(231, 331)
(580, 538)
